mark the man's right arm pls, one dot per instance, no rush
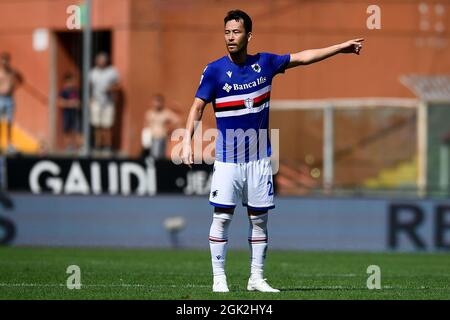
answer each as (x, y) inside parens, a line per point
(195, 115)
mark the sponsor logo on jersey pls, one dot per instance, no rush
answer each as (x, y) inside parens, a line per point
(249, 85)
(227, 87)
(229, 73)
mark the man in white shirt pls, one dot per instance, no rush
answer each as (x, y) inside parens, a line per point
(104, 79)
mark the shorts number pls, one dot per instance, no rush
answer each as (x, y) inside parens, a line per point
(270, 188)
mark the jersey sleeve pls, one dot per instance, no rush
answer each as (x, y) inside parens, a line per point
(278, 63)
(207, 87)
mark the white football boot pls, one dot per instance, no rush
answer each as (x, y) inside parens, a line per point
(259, 284)
(220, 284)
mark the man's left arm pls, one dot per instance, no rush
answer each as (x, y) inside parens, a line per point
(115, 83)
(315, 55)
(174, 119)
(115, 88)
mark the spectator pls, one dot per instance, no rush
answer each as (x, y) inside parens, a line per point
(158, 119)
(69, 101)
(104, 79)
(10, 79)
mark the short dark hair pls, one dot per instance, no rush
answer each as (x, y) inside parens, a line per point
(239, 15)
(103, 54)
(69, 76)
(159, 96)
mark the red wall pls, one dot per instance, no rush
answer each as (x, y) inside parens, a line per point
(163, 46)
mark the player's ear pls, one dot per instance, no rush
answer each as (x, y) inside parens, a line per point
(249, 36)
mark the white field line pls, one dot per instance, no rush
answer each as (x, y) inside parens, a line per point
(337, 275)
(60, 285)
(124, 285)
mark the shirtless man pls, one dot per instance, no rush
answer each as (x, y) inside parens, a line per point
(157, 120)
(10, 79)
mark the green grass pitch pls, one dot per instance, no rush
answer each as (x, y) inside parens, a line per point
(40, 273)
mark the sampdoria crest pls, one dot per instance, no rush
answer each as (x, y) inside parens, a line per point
(256, 67)
(249, 103)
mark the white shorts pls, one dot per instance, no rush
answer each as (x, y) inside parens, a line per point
(251, 181)
(102, 114)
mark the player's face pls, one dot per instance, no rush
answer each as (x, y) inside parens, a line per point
(158, 103)
(236, 39)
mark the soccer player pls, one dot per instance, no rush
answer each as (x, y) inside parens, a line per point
(238, 85)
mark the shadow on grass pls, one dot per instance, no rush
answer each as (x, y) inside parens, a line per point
(322, 289)
(307, 289)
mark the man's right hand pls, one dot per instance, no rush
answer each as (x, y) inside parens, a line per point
(186, 155)
(195, 114)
